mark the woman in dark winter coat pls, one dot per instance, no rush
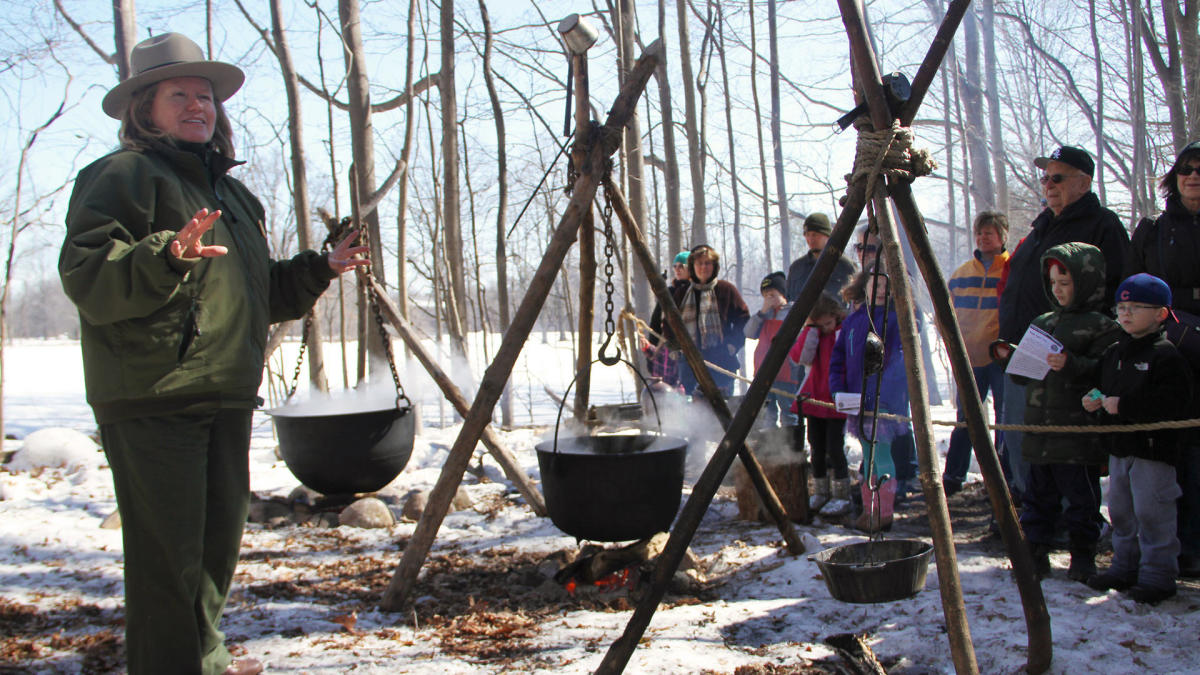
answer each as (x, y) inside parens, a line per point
(167, 259)
(1168, 247)
(715, 316)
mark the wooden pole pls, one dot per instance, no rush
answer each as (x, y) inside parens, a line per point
(702, 493)
(950, 586)
(1040, 649)
(587, 243)
(637, 243)
(621, 650)
(492, 385)
(452, 393)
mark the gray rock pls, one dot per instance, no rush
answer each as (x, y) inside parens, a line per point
(303, 495)
(462, 500)
(267, 510)
(414, 506)
(367, 512)
(112, 521)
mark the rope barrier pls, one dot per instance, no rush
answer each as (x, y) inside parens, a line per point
(1034, 428)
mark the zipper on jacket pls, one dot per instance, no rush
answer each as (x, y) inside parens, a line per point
(191, 330)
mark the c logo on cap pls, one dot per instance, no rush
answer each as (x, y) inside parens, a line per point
(1125, 294)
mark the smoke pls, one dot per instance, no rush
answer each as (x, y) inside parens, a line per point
(371, 396)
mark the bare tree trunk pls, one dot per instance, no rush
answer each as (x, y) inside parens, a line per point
(362, 144)
(670, 153)
(762, 156)
(333, 221)
(506, 411)
(733, 175)
(405, 156)
(208, 28)
(951, 203)
(998, 154)
(785, 230)
(480, 309)
(1139, 184)
(690, 123)
(634, 162)
(1099, 70)
(1169, 72)
(316, 355)
(451, 226)
(13, 231)
(1189, 44)
(977, 140)
(125, 31)
(587, 243)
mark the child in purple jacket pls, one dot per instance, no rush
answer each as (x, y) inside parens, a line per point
(846, 376)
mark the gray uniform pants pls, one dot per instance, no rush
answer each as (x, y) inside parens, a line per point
(183, 489)
(1141, 505)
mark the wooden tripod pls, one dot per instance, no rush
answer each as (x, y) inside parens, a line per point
(1036, 616)
(475, 421)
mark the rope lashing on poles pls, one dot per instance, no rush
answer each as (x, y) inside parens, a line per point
(888, 152)
(1043, 428)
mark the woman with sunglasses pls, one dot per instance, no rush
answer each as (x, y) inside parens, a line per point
(1073, 213)
(1168, 247)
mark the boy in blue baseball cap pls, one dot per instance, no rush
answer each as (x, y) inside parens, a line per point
(1143, 378)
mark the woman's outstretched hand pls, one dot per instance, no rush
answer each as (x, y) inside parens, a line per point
(186, 243)
(344, 256)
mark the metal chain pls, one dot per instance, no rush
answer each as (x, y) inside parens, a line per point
(308, 319)
(385, 338)
(391, 359)
(609, 253)
(610, 325)
(332, 238)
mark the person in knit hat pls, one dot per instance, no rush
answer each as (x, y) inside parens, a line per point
(1143, 379)
(658, 354)
(816, 235)
(763, 326)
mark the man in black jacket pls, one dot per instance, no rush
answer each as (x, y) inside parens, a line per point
(1073, 213)
(816, 234)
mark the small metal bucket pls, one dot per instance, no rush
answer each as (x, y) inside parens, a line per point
(875, 571)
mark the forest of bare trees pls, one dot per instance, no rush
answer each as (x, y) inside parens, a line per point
(441, 128)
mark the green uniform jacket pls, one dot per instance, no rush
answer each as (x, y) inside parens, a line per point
(160, 335)
(1085, 332)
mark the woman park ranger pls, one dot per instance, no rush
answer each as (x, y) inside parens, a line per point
(166, 258)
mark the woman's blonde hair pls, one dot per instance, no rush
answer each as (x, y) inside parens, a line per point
(139, 133)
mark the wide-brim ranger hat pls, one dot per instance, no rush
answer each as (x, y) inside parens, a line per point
(1071, 156)
(163, 57)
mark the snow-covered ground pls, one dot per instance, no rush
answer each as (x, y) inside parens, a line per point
(306, 599)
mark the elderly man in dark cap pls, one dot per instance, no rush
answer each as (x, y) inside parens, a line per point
(1073, 213)
(816, 235)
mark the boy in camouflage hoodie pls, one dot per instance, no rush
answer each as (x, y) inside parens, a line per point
(1067, 465)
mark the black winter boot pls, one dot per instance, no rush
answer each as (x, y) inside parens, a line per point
(1041, 561)
(1083, 563)
(1110, 580)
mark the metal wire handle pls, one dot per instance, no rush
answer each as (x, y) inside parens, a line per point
(562, 403)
